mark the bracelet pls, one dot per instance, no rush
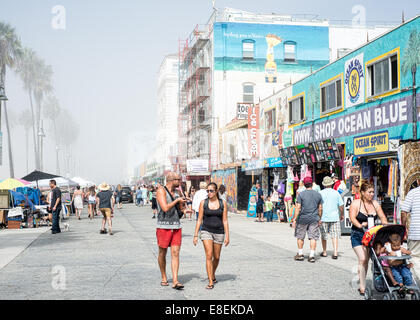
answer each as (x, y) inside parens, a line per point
(195, 236)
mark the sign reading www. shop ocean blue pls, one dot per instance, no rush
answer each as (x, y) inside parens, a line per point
(371, 144)
(389, 114)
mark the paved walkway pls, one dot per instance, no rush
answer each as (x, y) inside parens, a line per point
(83, 264)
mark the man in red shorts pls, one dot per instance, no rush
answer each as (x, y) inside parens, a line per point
(168, 231)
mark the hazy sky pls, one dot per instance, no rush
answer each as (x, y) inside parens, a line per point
(106, 61)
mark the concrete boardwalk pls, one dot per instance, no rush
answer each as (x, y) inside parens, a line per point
(83, 264)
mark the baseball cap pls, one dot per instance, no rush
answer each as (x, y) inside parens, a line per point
(307, 180)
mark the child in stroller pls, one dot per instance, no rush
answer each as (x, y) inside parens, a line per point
(385, 280)
(396, 270)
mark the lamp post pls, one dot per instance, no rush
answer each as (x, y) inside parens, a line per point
(41, 135)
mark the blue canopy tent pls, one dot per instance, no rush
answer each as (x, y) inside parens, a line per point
(18, 197)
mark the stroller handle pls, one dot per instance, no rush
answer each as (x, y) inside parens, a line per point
(394, 258)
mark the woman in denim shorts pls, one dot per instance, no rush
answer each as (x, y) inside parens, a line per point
(360, 210)
(212, 217)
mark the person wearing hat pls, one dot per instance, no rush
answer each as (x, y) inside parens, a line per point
(333, 207)
(106, 202)
(308, 216)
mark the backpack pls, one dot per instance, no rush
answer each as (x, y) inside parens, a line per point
(206, 203)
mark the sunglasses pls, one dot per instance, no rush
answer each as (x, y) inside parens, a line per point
(211, 191)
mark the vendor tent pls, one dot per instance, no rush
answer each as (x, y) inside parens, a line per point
(61, 182)
(82, 182)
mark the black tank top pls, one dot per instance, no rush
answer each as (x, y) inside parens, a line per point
(213, 219)
(361, 217)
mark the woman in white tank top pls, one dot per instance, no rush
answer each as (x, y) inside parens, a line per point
(92, 203)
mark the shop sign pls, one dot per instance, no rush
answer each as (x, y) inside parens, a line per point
(253, 132)
(253, 165)
(347, 204)
(287, 138)
(242, 110)
(371, 144)
(354, 81)
(392, 113)
(273, 163)
(197, 165)
(252, 204)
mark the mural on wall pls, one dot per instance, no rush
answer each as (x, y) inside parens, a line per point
(269, 48)
(411, 55)
(229, 179)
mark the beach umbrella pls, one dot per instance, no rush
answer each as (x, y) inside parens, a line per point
(39, 175)
(11, 184)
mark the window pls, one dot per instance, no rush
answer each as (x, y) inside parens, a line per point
(331, 96)
(290, 51)
(270, 120)
(383, 76)
(248, 92)
(296, 110)
(248, 49)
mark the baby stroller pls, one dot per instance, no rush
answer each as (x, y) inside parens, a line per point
(380, 235)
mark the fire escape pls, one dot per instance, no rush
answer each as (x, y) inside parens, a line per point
(194, 118)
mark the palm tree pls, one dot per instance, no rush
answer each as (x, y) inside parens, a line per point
(52, 111)
(42, 86)
(25, 120)
(27, 72)
(10, 51)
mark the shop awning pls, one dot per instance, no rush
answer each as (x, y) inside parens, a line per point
(233, 125)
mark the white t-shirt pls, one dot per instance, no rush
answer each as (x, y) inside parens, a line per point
(199, 196)
(411, 204)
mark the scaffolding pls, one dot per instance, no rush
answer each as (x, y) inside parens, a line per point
(195, 91)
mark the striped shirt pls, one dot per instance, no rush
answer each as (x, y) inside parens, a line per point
(411, 204)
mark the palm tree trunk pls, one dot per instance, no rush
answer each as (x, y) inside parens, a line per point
(27, 151)
(12, 172)
(34, 132)
(56, 147)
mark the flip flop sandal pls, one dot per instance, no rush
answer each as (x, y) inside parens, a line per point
(178, 286)
(209, 287)
(334, 257)
(214, 280)
(164, 283)
(322, 255)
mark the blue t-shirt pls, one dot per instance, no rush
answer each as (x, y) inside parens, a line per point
(331, 203)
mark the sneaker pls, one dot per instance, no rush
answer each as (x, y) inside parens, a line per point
(299, 257)
(311, 259)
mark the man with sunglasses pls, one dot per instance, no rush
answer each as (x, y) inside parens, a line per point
(168, 232)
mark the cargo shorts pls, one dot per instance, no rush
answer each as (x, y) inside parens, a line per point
(311, 229)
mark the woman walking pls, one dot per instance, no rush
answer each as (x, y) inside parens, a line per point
(78, 201)
(118, 196)
(190, 196)
(214, 232)
(91, 203)
(361, 210)
(154, 202)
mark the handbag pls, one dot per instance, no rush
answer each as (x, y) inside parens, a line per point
(180, 214)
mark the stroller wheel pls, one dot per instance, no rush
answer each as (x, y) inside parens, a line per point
(396, 296)
(387, 296)
(368, 294)
(415, 296)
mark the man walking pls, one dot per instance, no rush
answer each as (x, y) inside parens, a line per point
(105, 201)
(55, 206)
(199, 196)
(333, 213)
(308, 219)
(260, 203)
(411, 205)
(168, 231)
(138, 196)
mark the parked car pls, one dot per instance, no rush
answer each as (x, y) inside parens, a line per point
(127, 194)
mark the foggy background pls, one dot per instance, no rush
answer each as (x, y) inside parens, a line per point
(105, 66)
